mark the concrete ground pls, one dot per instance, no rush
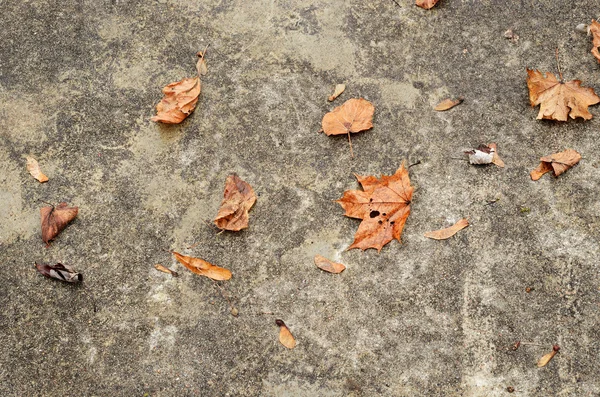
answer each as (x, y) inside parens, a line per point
(78, 84)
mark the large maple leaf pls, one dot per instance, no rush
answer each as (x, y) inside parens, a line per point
(383, 205)
(557, 99)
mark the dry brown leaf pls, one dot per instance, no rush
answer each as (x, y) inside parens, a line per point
(285, 336)
(339, 88)
(179, 101)
(557, 99)
(448, 232)
(34, 169)
(354, 115)
(426, 4)
(383, 206)
(163, 269)
(328, 266)
(238, 198)
(55, 219)
(448, 104)
(202, 267)
(557, 162)
(594, 29)
(547, 357)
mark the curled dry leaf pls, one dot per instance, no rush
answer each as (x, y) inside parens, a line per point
(354, 115)
(547, 357)
(202, 267)
(179, 101)
(238, 198)
(496, 158)
(285, 336)
(328, 266)
(594, 29)
(163, 269)
(448, 104)
(55, 219)
(34, 169)
(557, 99)
(426, 4)
(59, 272)
(557, 163)
(383, 206)
(448, 232)
(339, 88)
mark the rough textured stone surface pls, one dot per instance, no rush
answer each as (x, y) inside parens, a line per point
(78, 84)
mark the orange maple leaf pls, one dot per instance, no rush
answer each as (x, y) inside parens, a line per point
(557, 99)
(383, 205)
(426, 4)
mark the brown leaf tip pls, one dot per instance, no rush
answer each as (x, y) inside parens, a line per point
(280, 323)
(556, 348)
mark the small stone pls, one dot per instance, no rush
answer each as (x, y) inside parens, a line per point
(510, 389)
(234, 312)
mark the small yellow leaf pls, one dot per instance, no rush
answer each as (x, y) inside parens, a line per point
(34, 169)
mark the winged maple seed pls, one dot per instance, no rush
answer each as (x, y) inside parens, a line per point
(594, 29)
(339, 89)
(383, 206)
(558, 163)
(329, 266)
(202, 267)
(426, 4)
(55, 219)
(34, 169)
(547, 357)
(285, 336)
(447, 104)
(59, 272)
(448, 232)
(238, 198)
(557, 99)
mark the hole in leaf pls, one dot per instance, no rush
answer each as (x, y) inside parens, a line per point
(374, 214)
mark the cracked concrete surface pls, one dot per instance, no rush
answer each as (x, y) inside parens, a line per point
(78, 84)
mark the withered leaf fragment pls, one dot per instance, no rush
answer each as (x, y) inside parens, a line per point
(328, 266)
(285, 336)
(339, 89)
(163, 269)
(557, 163)
(34, 169)
(59, 272)
(238, 198)
(201, 64)
(179, 101)
(594, 29)
(448, 104)
(55, 219)
(448, 232)
(426, 4)
(203, 268)
(547, 357)
(354, 115)
(557, 99)
(485, 154)
(383, 206)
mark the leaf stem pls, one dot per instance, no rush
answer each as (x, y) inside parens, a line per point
(350, 142)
